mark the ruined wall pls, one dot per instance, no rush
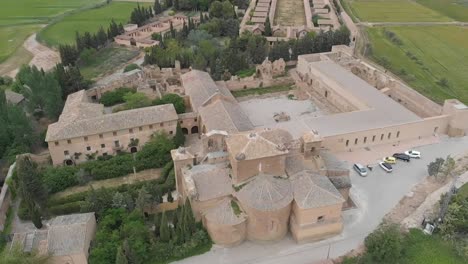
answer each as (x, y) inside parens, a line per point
(251, 82)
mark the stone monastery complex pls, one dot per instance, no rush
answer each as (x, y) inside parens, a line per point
(247, 181)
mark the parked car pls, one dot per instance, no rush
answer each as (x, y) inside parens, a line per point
(413, 154)
(402, 156)
(385, 166)
(390, 160)
(361, 170)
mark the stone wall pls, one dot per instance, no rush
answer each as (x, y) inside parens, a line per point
(226, 235)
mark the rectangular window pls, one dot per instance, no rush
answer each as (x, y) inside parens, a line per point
(195, 120)
(101, 136)
(398, 134)
(381, 137)
(104, 154)
(103, 145)
(66, 152)
(170, 132)
(140, 128)
(130, 130)
(161, 125)
(365, 140)
(389, 135)
(373, 138)
(150, 126)
(69, 141)
(56, 143)
(117, 143)
(114, 133)
(85, 138)
(88, 148)
(347, 142)
(355, 141)
(320, 219)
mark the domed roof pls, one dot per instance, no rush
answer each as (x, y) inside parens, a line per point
(224, 213)
(266, 193)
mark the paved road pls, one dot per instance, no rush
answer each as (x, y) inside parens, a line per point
(375, 195)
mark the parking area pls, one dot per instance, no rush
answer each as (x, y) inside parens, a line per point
(374, 195)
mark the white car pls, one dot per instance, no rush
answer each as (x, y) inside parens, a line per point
(385, 166)
(413, 154)
(361, 170)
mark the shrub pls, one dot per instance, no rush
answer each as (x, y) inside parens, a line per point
(156, 153)
(115, 97)
(117, 166)
(384, 245)
(67, 208)
(59, 178)
(173, 99)
(131, 67)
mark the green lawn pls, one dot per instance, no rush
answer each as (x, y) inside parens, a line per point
(427, 55)
(13, 37)
(456, 9)
(89, 20)
(107, 60)
(394, 11)
(14, 12)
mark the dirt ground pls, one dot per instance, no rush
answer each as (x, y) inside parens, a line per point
(42, 56)
(290, 13)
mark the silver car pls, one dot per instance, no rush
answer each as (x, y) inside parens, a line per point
(361, 170)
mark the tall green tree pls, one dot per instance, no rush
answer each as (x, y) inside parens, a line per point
(30, 186)
(157, 7)
(120, 258)
(164, 231)
(179, 138)
(268, 31)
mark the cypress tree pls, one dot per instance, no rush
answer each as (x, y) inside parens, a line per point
(164, 232)
(179, 138)
(176, 4)
(267, 31)
(157, 224)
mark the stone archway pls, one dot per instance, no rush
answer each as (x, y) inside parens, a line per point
(133, 149)
(68, 162)
(194, 130)
(184, 131)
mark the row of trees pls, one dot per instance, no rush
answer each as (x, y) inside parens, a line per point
(70, 54)
(141, 14)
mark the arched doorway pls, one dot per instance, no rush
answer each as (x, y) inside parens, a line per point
(184, 131)
(194, 130)
(68, 162)
(133, 149)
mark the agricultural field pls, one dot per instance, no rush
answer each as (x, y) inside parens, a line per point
(432, 59)
(13, 37)
(88, 20)
(394, 11)
(455, 9)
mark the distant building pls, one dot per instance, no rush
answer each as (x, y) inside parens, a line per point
(67, 239)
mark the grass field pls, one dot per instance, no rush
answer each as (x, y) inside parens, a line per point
(426, 55)
(89, 20)
(456, 9)
(394, 11)
(107, 60)
(13, 37)
(14, 12)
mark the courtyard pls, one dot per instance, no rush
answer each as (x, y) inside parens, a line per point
(261, 110)
(290, 13)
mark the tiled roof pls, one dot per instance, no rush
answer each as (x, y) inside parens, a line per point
(81, 118)
(258, 144)
(210, 181)
(223, 213)
(226, 115)
(266, 192)
(312, 190)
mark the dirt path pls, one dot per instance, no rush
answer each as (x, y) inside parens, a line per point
(43, 57)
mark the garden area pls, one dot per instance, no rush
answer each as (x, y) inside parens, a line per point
(429, 59)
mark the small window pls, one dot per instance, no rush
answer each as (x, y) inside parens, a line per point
(56, 143)
(85, 138)
(88, 148)
(161, 125)
(195, 120)
(101, 136)
(104, 154)
(365, 140)
(355, 141)
(114, 133)
(103, 145)
(389, 135)
(117, 143)
(170, 132)
(69, 141)
(381, 137)
(140, 128)
(181, 121)
(347, 142)
(326, 94)
(150, 126)
(130, 130)
(320, 218)
(398, 134)
(66, 152)
(373, 138)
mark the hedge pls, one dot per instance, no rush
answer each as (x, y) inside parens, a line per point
(115, 97)
(68, 208)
